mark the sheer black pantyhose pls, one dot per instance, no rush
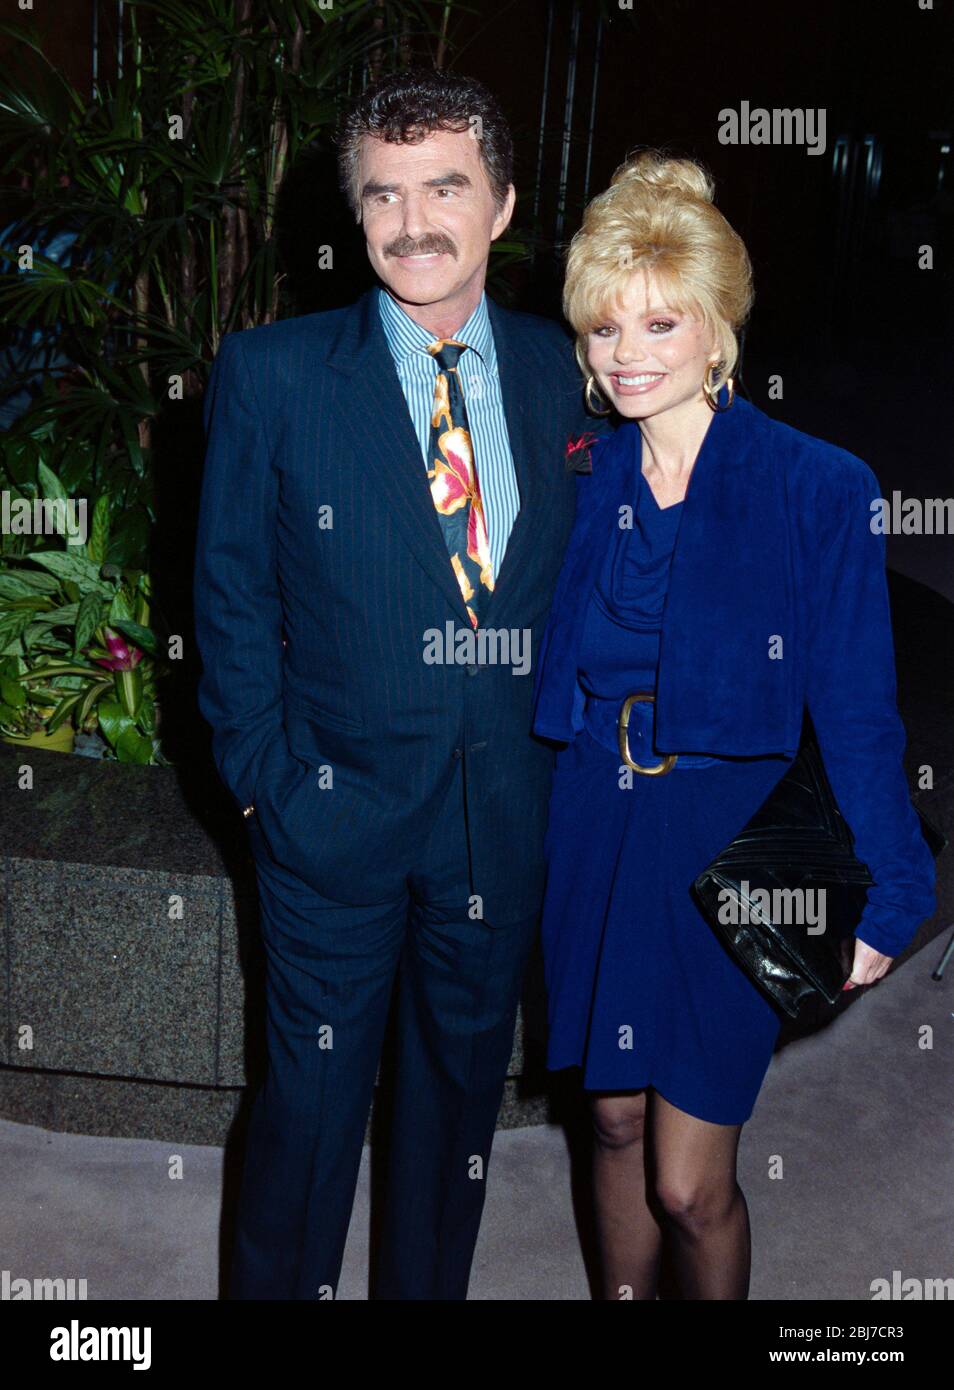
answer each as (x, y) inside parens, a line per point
(660, 1175)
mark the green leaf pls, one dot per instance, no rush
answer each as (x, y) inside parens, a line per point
(119, 609)
(40, 637)
(147, 716)
(133, 747)
(13, 587)
(26, 581)
(72, 568)
(61, 711)
(98, 541)
(129, 684)
(11, 627)
(49, 483)
(113, 720)
(88, 619)
(95, 691)
(12, 693)
(31, 604)
(64, 616)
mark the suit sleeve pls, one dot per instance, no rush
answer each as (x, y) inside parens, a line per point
(238, 612)
(852, 700)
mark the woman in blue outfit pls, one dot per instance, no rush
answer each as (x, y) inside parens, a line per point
(723, 574)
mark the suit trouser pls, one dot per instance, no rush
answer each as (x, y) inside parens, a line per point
(330, 969)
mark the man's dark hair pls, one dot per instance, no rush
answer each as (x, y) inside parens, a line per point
(406, 106)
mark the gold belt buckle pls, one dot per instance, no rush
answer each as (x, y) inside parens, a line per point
(622, 729)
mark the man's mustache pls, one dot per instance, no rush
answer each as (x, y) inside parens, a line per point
(429, 246)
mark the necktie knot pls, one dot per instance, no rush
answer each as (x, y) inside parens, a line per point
(447, 352)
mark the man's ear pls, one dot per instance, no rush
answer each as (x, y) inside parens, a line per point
(502, 219)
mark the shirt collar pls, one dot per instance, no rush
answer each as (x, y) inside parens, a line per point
(408, 339)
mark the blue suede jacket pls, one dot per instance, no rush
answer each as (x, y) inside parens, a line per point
(777, 598)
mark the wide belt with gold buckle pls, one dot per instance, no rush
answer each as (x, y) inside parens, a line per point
(620, 726)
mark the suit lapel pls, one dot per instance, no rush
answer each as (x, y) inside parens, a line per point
(373, 401)
(517, 368)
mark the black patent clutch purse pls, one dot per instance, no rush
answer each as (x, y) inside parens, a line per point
(797, 840)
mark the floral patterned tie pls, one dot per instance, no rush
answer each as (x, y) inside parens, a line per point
(454, 484)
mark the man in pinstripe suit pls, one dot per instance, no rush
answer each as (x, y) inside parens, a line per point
(395, 803)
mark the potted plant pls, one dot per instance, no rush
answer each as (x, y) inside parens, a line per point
(77, 652)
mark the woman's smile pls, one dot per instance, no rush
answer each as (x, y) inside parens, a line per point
(636, 385)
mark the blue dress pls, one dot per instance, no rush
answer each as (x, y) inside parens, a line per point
(641, 991)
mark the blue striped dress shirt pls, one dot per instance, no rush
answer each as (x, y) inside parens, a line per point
(417, 372)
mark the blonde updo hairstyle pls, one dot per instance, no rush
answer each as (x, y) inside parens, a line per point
(657, 215)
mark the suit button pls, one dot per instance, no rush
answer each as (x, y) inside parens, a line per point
(472, 670)
(457, 753)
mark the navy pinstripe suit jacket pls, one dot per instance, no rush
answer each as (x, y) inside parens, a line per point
(320, 569)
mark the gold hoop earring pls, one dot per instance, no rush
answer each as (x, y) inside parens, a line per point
(712, 396)
(586, 397)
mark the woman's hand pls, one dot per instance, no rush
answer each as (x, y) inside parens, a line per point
(868, 965)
